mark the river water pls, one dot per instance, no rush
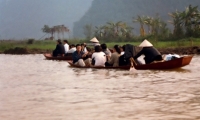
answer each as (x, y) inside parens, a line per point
(32, 88)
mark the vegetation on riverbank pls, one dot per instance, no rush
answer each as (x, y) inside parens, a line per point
(43, 46)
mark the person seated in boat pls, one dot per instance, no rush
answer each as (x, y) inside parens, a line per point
(72, 49)
(151, 54)
(122, 48)
(122, 60)
(79, 57)
(114, 59)
(106, 51)
(66, 46)
(129, 52)
(94, 41)
(83, 47)
(98, 57)
(59, 50)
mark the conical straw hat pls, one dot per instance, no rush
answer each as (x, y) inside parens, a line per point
(94, 40)
(145, 43)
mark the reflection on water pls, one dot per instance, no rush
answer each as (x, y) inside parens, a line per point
(33, 88)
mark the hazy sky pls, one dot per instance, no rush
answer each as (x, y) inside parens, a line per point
(21, 19)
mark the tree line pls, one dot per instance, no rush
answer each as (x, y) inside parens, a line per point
(185, 24)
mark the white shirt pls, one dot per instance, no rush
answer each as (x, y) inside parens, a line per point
(66, 46)
(95, 44)
(100, 58)
(85, 50)
(122, 53)
(72, 50)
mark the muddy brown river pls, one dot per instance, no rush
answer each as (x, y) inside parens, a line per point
(32, 88)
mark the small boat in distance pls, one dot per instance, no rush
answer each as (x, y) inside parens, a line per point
(49, 56)
(171, 64)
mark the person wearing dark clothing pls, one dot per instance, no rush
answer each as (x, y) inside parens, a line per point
(129, 51)
(151, 54)
(77, 54)
(59, 50)
(80, 58)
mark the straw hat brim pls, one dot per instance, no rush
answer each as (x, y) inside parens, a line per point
(145, 43)
(94, 40)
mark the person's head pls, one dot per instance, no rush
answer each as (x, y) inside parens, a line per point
(89, 49)
(65, 41)
(117, 49)
(78, 47)
(97, 48)
(82, 46)
(104, 46)
(72, 46)
(122, 48)
(59, 41)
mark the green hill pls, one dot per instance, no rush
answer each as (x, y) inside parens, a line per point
(103, 11)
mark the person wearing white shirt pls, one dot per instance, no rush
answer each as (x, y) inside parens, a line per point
(122, 49)
(84, 49)
(98, 57)
(66, 46)
(72, 49)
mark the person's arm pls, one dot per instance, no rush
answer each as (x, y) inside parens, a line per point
(83, 54)
(139, 54)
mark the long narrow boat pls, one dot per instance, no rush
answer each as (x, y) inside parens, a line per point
(50, 57)
(172, 64)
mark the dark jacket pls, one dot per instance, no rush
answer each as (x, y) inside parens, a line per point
(76, 56)
(59, 50)
(150, 54)
(128, 53)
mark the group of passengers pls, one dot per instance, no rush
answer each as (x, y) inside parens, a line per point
(101, 55)
(63, 49)
(98, 56)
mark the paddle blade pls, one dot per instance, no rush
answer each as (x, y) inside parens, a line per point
(132, 69)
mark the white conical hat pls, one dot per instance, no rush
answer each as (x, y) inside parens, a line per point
(145, 43)
(94, 40)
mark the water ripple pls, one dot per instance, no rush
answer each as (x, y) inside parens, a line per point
(33, 88)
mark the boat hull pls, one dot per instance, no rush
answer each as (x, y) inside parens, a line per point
(99, 67)
(172, 64)
(50, 57)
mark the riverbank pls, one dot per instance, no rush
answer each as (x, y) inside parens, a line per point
(183, 46)
(179, 50)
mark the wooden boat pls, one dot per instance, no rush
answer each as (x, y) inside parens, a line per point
(50, 57)
(171, 64)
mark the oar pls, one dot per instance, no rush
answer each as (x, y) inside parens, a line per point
(132, 68)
